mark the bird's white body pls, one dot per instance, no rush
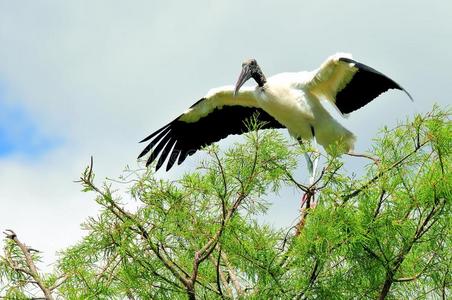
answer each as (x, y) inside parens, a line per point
(288, 99)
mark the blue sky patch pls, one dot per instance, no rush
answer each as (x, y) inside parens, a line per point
(20, 133)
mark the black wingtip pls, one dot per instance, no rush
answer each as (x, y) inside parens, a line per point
(409, 95)
(399, 87)
(148, 163)
(172, 158)
(144, 152)
(154, 133)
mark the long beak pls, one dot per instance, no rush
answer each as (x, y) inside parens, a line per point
(244, 76)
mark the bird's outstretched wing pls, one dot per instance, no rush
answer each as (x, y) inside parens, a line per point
(211, 119)
(349, 84)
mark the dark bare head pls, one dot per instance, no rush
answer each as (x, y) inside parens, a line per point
(250, 69)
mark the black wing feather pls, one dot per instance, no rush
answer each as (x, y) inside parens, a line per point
(366, 85)
(167, 149)
(187, 138)
(154, 133)
(160, 145)
(154, 141)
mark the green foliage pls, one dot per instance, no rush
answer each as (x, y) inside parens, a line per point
(384, 235)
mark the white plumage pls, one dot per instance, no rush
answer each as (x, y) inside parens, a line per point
(290, 100)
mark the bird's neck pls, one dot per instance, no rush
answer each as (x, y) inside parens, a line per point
(259, 77)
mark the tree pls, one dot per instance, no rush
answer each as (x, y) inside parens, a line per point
(385, 235)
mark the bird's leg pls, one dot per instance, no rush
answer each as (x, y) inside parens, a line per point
(316, 159)
(309, 162)
(308, 199)
(315, 164)
(376, 160)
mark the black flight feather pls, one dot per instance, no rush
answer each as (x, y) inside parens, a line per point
(365, 85)
(189, 137)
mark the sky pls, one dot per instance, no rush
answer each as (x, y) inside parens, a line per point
(82, 78)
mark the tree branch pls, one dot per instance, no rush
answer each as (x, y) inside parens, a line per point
(87, 180)
(381, 173)
(232, 274)
(31, 267)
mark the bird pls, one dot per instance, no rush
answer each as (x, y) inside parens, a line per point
(291, 100)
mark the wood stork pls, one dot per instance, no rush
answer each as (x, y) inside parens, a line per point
(290, 100)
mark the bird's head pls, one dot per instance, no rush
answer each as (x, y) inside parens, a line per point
(250, 69)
